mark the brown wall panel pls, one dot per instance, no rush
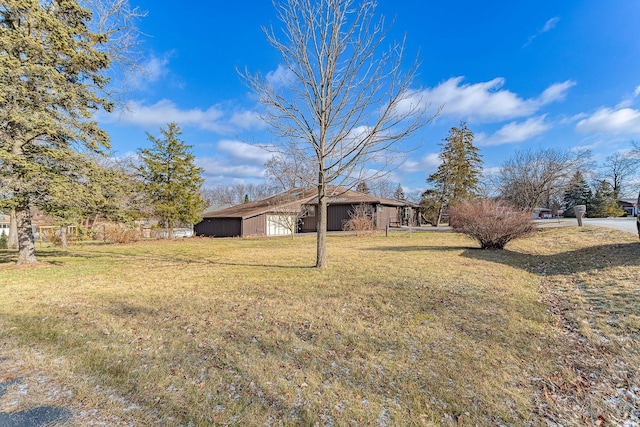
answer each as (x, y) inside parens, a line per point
(219, 227)
(255, 226)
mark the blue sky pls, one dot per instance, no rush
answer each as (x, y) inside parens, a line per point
(521, 74)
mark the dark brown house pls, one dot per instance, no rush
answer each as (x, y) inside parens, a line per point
(274, 216)
(341, 202)
(295, 211)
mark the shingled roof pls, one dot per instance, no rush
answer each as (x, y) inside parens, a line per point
(292, 200)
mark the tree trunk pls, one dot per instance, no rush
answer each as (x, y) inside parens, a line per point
(439, 216)
(63, 236)
(26, 242)
(321, 255)
(170, 228)
(13, 231)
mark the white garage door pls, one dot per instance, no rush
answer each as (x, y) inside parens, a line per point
(279, 225)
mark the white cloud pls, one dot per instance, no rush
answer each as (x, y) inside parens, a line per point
(548, 26)
(282, 76)
(218, 166)
(573, 119)
(556, 92)
(151, 71)
(491, 171)
(486, 101)
(165, 111)
(428, 162)
(214, 118)
(156, 68)
(516, 132)
(614, 121)
(242, 150)
(637, 91)
(247, 120)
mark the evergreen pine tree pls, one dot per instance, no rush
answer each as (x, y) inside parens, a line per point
(399, 193)
(52, 81)
(577, 193)
(605, 202)
(458, 176)
(171, 180)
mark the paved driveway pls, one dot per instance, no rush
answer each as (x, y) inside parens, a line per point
(623, 224)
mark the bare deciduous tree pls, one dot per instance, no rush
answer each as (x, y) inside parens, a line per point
(290, 171)
(339, 100)
(531, 179)
(382, 187)
(618, 169)
(223, 195)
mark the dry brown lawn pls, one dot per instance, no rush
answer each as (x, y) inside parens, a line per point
(427, 330)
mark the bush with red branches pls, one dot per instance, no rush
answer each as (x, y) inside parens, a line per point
(492, 223)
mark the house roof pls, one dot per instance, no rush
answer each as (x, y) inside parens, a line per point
(292, 200)
(343, 196)
(288, 201)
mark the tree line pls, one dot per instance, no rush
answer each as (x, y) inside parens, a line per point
(341, 116)
(553, 178)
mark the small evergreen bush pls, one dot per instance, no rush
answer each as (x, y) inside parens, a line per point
(4, 241)
(492, 223)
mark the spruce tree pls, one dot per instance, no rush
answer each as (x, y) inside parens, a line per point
(171, 180)
(399, 193)
(458, 176)
(577, 193)
(605, 202)
(52, 81)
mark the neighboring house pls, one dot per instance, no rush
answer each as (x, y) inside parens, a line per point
(542, 213)
(296, 210)
(629, 206)
(4, 224)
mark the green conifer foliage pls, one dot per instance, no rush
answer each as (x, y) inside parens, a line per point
(171, 180)
(458, 176)
(577, 193)
(51, 82)
(605, 202)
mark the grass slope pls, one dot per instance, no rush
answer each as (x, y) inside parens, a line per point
(426, 330)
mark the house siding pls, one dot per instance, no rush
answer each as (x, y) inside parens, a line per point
(255, 226)
(309, 224)
(337, 215)
(219, 227)
(386, 215)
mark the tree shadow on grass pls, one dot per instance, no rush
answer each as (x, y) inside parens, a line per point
(45, 257)
(587, 259)
(49, 257)
(418, 248)
(34, 417)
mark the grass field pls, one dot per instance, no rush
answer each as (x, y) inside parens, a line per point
(398, 330)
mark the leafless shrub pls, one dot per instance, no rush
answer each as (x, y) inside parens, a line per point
(119, 233)
(360, 220)
(492, 223)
